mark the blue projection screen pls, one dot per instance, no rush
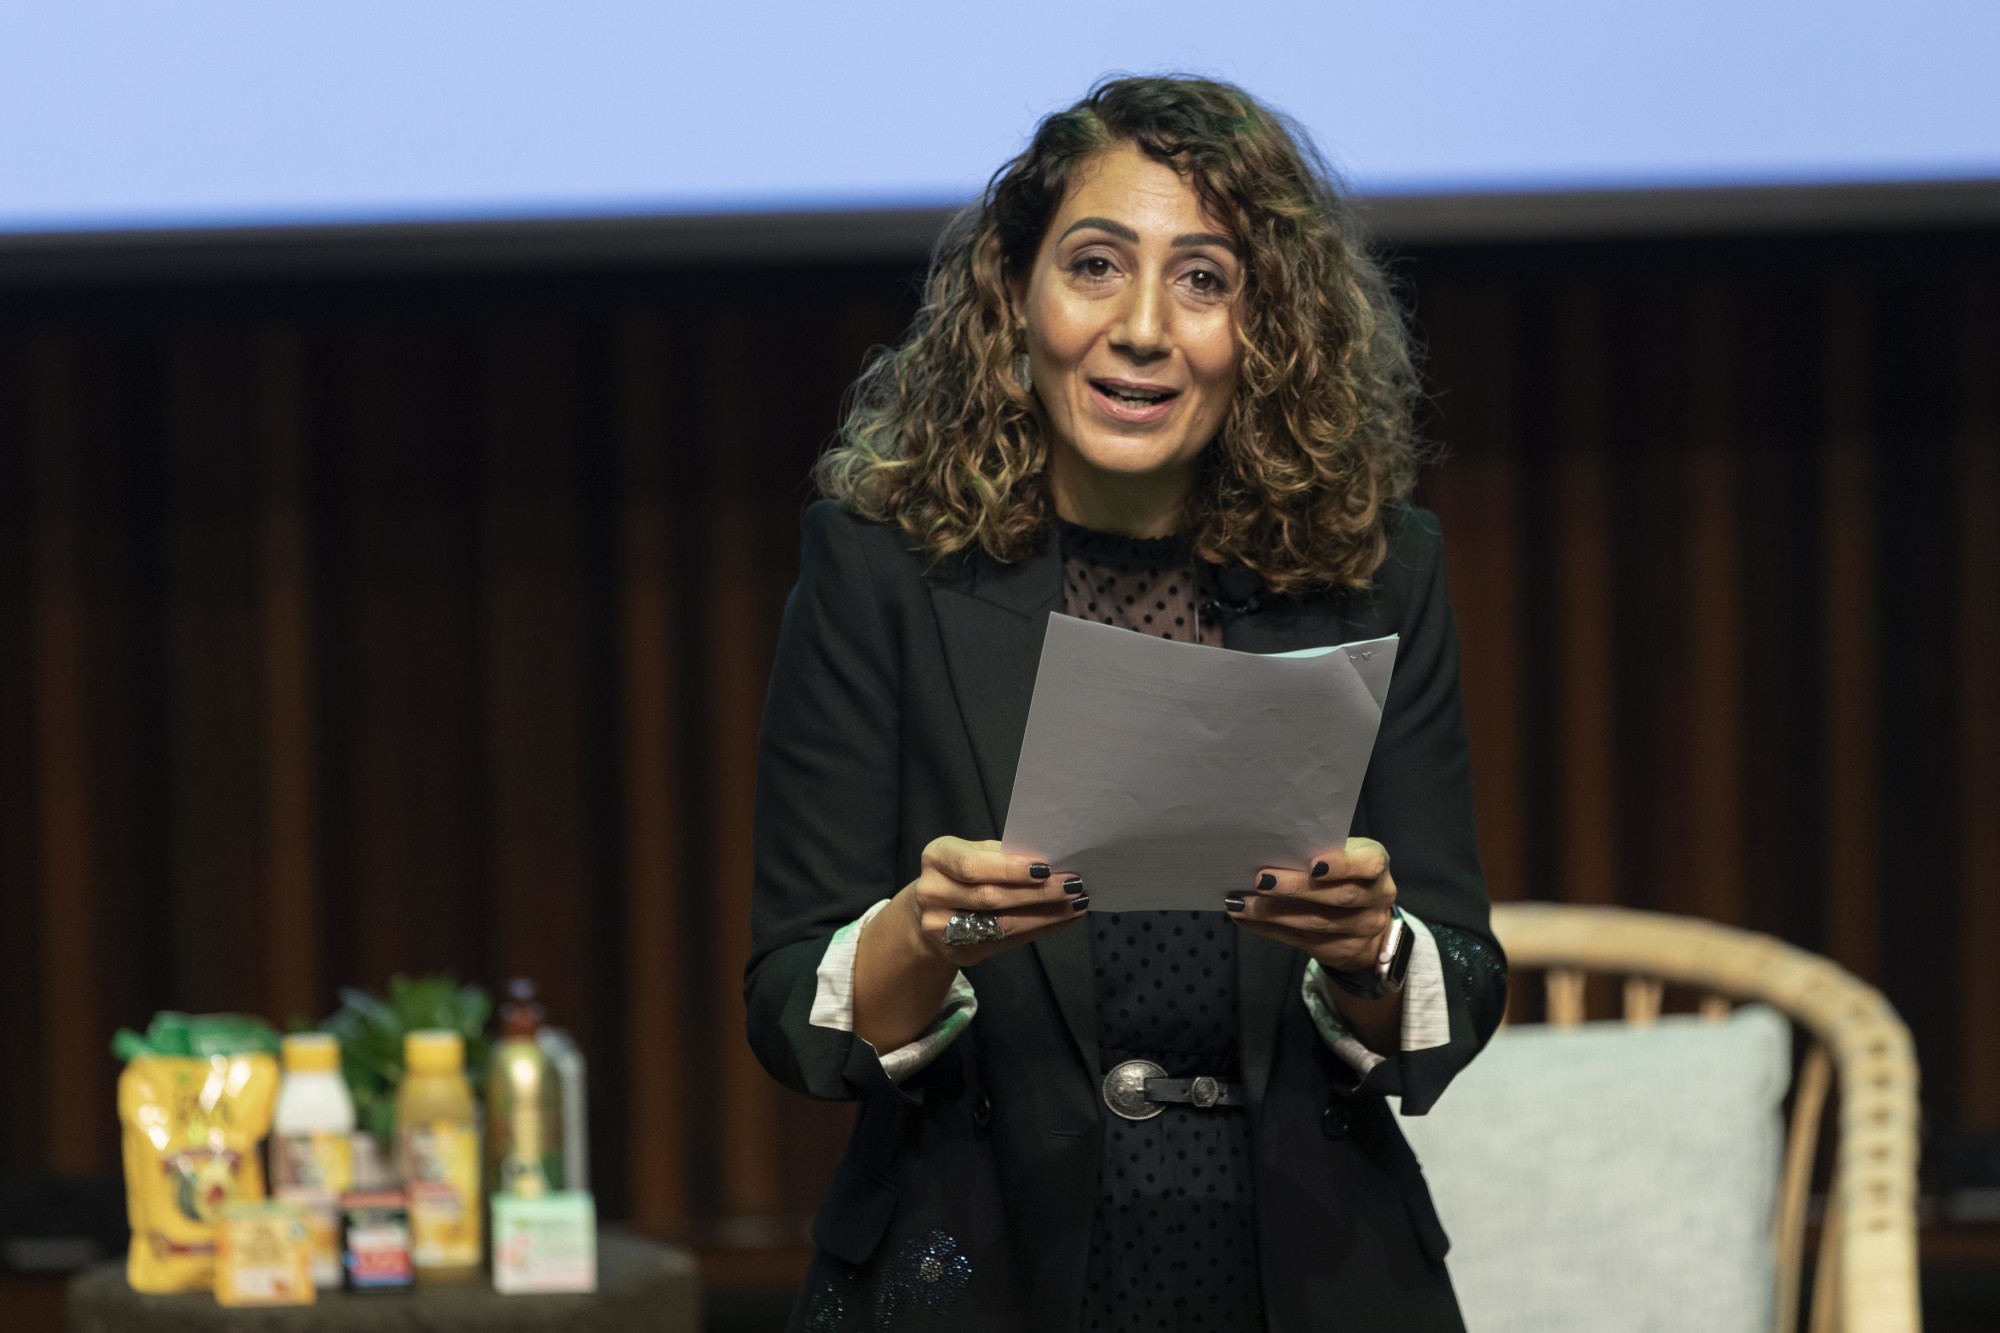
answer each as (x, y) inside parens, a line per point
(137, 115)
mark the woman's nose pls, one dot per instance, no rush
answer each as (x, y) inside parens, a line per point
(1141, 330)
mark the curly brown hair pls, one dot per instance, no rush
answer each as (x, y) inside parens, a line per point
(1319, 446)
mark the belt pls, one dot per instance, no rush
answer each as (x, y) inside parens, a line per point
(1140, 1090)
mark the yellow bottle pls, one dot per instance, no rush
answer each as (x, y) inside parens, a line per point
(437, 1149)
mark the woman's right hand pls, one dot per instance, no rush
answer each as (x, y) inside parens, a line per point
(1025, 896)
(903, 967)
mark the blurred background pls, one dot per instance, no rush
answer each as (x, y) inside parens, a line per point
(405, 415)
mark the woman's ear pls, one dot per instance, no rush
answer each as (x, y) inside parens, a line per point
(1017, 305)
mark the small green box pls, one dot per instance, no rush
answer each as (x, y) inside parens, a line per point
(545, 1245)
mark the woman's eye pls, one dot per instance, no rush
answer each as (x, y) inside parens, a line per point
(1207, 282)
(1093, 267)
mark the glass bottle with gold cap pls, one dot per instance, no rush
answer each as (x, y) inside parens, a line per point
(437, 1149)
(524, 1129)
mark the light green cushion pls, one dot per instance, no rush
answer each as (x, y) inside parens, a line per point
(1609, 1178)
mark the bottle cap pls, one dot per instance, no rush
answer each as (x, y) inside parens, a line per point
(311, 1053)
(433, 1051)
(521, 1015)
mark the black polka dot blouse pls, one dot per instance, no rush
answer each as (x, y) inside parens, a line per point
(1172, 1245)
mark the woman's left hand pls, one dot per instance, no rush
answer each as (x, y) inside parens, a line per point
(1338, 911)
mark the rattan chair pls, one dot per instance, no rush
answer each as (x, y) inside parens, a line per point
(1866, 1276)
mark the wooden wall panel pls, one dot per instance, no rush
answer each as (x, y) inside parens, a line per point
(214, 777)
(1649, 386)
(1977, 484)
(424, 626)
(1779, 659)
(121, 477)
(1704, 863)
(1477, 496)
(22, 1137)
(750, 1188)
(534, 724)
(1916, 610)
(652, 658)
(287, 766)
(1848, 559)
(70, 1020)
(410, 700)
(1586, 708)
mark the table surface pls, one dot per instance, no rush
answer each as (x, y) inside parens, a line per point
(641, 1284)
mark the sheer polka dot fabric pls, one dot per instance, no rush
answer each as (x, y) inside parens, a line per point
(1172, 1246)
(1152, 585)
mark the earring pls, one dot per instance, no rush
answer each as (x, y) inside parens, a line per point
(1024, 372)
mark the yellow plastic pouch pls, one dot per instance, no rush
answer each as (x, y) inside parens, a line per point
(192, 1126)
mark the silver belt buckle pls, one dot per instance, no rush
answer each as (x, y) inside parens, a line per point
(1125, 1090)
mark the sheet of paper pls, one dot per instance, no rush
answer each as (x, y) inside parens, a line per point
(1167, 773)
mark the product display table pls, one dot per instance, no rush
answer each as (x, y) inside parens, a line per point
(640, 1285)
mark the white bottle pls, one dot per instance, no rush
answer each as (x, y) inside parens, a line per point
(312, 1144)
(567, 1059)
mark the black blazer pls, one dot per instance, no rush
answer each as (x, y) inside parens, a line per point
(897, 704)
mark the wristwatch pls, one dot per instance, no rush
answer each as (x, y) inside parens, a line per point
(1386, 977)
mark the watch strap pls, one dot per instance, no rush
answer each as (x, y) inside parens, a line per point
(1391, 969)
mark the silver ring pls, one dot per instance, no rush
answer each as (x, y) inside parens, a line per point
(972, 928)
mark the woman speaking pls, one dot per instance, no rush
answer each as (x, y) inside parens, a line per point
(1156, 382)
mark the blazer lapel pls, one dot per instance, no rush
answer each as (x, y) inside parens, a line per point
(992, 621)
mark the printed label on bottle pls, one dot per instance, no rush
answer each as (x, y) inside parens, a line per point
(321, 1160)
(441, 1160)
(312, 1170)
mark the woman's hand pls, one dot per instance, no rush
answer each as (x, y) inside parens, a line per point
(1024, 895)
(1338, 911)
(903, 967)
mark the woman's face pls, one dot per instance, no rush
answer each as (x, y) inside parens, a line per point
(1130, 313)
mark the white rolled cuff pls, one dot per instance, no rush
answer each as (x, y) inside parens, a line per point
(833, 1004)
(1426, 1020)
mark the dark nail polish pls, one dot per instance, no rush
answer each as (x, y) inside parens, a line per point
(1073, 885)
(1319, 868)
(1266, 882)
(1233, 903)
(1078, 904)
(1040, 870)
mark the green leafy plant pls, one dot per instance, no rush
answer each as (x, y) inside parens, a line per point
(371, 1034)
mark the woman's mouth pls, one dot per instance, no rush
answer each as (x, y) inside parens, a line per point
(1124, 400)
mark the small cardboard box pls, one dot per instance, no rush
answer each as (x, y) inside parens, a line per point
(263, 1255)
(376, 1240)
(545, 1245)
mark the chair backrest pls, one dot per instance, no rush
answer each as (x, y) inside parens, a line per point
(1866, 1277)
